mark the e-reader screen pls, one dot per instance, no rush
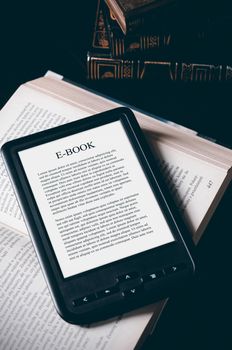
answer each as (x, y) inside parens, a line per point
(94, 198)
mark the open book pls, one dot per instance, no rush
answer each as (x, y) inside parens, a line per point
(197, 172)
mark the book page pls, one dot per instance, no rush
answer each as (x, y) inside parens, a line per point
(28, 319)
(193, 183)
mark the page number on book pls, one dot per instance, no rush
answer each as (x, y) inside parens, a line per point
(209, 184)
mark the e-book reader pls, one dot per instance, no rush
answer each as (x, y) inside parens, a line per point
(105, 230)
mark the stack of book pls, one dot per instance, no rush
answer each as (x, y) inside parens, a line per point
(160, 40)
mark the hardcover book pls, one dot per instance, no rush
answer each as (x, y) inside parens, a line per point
(197, 172)
(175, 34)
(132, 14)
(157, 38)
(155, 70)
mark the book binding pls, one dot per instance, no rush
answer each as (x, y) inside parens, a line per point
(116, 68)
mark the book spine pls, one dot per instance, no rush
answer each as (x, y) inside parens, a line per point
(115, 68)
(122, 46)
(101, 39)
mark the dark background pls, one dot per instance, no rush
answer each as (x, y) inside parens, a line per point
(36, 37)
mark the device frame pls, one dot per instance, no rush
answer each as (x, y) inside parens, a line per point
(59, 286)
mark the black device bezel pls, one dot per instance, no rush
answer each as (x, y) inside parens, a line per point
(60, 286)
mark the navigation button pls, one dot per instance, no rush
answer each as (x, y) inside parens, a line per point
(174, 268)
(84, 300)
(132, 292)
(153, 276)
(127, 277)
(107, 292)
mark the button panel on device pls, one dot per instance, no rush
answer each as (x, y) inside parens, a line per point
(134, 288)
